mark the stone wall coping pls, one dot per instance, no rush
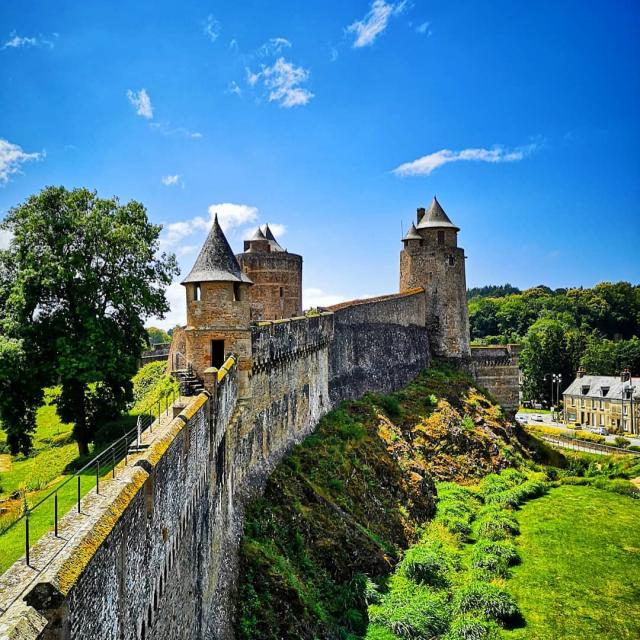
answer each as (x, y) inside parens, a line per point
(392, 296)
(269, 323)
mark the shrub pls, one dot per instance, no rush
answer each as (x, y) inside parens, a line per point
(496, 524)
(574, 480)
(456, 507)
(371, 593)
(621, 442)
(467, 423)
(493, 602)
(390, 405)
(633, 447)
(428, 563)
(376, 632)
(503, 550)
(411, 611)
(472, 627)
(623, 487)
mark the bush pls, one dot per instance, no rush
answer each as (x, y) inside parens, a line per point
(472, 627)
(633, 447)
(621, 442)
(410, 610)
(390, 405)
(623, 487)
(456, 507)
(486, 598)
(496, 524)
(428, 563)
(376, 632)
(493, 558)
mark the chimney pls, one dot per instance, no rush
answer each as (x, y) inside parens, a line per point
(580, 373)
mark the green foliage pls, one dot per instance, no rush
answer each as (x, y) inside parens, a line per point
(473, 627)
(91, 270)
(457, 507)
(391, 406)
(494, 523)
(429, 562)
(488, 599)
(620, 441)
(410, 610)
(157, 336)
(562, 329)
(492, 291)
(494, 557)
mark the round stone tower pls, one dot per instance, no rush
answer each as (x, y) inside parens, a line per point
(276, 275)
(218, 310)
(431, 259)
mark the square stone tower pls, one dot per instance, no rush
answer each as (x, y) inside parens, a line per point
(431, 259)
(218, 310)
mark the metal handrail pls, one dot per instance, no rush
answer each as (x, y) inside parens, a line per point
(114, 453)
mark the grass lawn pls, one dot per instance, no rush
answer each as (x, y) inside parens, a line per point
(527, 410)
(580, 573)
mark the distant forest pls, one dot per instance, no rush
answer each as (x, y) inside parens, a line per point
(561, 329)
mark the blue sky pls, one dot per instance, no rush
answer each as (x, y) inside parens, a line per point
(334, 121)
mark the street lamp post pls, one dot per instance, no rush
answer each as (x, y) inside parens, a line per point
(555, 378)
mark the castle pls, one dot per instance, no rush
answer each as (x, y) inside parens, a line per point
(226, 294)
(153, 554)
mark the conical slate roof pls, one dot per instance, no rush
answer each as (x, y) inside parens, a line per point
(258, 235)
(436, 218)
(272, 239)
(412, 234)
(216, 262)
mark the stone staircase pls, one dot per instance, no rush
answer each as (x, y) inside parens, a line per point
(190, 384)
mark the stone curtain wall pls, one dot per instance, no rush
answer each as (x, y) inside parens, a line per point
(161, 561)
(378, 345)
(495, 367)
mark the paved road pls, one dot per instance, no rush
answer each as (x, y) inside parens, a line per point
(547, 421)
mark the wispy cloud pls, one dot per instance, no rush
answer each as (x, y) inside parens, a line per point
(333, 54)
(18, 42)
(167, 129)
(424, 28)
(427, 164)
(234, 89)
(234, 46)
(172, 180)
(282, 81)
(12, 157)
(273, 47)
(211, 28)
(141, 102)
(375, 22)
(313, 297)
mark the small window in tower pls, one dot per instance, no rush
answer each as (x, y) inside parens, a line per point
(452, 260)
(197, 291)
(282, 292)
(421, 243)
(236, 291)
(440, 237)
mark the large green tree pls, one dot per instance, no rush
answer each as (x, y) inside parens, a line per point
(85, 275)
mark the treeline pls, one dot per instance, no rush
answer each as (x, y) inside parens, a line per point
(561, 329)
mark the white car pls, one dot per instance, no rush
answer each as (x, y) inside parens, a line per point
(601, 431)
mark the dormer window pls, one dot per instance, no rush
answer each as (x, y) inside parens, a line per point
(585, 389)
(605, 391)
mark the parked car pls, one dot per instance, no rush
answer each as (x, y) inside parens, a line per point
(601, 431)
(537, 418)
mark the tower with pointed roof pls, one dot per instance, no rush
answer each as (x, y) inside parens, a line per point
(431, 259)
(276, 275)
(218, 309)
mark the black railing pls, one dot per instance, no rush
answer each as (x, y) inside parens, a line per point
(109, 458)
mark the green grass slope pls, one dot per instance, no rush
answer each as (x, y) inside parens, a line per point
(579, 576)
(345, 503)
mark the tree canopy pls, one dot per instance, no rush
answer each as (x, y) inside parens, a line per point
(560, 330)
(80, 277)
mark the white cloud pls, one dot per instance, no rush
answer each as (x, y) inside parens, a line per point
(5, 238)
(313, 297)
(333, 54)
(172, 180)
(375, 22)
(166, 129)
(176, 297)
(234, 89)
(232, 215)
(233, 46)
(282, 81)
(17, 42)
(141, 102)
(12, 157)
(429, 163)
(273, 47)
(278, 230)
(211, 28)
(424, 28)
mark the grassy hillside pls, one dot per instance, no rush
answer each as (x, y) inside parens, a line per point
(345, 503)
(580, 571)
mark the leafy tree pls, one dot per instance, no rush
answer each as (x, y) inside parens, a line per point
(157, 336)
(492, 291)
(549, 347)
(86, 275)
(608, 357)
